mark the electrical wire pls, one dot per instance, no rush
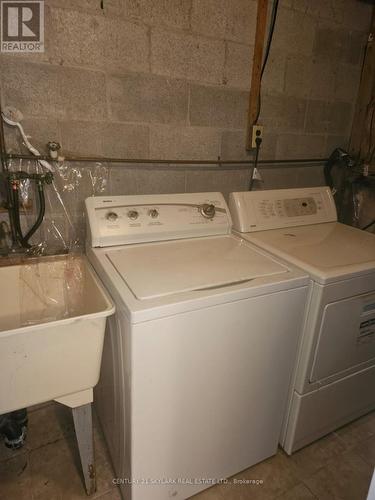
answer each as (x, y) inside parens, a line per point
(258, 142)
(267, 53)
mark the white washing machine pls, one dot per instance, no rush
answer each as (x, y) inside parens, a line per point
(334, 380)
(198, 359)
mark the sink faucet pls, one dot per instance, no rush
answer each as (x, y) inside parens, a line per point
(5, 238)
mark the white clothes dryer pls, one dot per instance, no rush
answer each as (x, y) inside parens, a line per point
(334, 380)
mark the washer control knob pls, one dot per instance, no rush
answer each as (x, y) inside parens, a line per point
(133, 214)
(207, 210)
(111, 216)
(153, 213)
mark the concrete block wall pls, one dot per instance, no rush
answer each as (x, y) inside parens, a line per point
(169, 79)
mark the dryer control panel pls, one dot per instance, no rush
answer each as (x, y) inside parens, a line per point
(120, 220)
(273, 209)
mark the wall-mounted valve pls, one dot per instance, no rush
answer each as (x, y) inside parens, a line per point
(14, 179)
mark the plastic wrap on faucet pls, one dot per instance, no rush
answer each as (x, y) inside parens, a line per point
(52, 287)
(62, 230)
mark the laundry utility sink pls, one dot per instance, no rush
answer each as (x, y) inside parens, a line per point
(52, 321)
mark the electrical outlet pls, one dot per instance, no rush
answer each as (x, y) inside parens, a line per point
(257, 132)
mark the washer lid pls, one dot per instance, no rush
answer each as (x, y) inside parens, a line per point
(159, 269)
(328, 251)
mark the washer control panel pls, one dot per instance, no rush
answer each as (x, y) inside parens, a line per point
(262, 210)
(120, 220)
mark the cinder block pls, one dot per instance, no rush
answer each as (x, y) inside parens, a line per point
(298, 75)
(110, 7)
(347, 82)
(278, 178)
(210, 17)
(81, 138)
(187, 56)
(319, 9)
(224, 181)
(214, 107)
(307, 77)
(233, 145)
(354, 15)
(75, 38)
(238, 65)
(39, 131)
(346, 14)
(122, 180)
(356, 47)
(274, 74)
(282, 113)
(156, 180)
(195, 143)
(82, 94)
(291, 146)
(294, 32)
(88, 40)
(333, 118)
(316, 78)
(148, 98)
(323, 76)
(53, 91)
(310, 176)
(331, 43)
(225, 19)
(171, 13)
(116, 140)
(336, 141)
(268, 146)
(122, 140)
(32, 88)
(127, 46)
(318, 117)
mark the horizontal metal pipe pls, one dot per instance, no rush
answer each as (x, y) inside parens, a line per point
(146, 161)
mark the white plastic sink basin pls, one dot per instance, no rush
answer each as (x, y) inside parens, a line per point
(52, 322)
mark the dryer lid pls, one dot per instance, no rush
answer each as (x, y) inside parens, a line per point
(159, 269)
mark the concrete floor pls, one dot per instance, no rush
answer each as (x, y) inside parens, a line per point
(338, 466)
